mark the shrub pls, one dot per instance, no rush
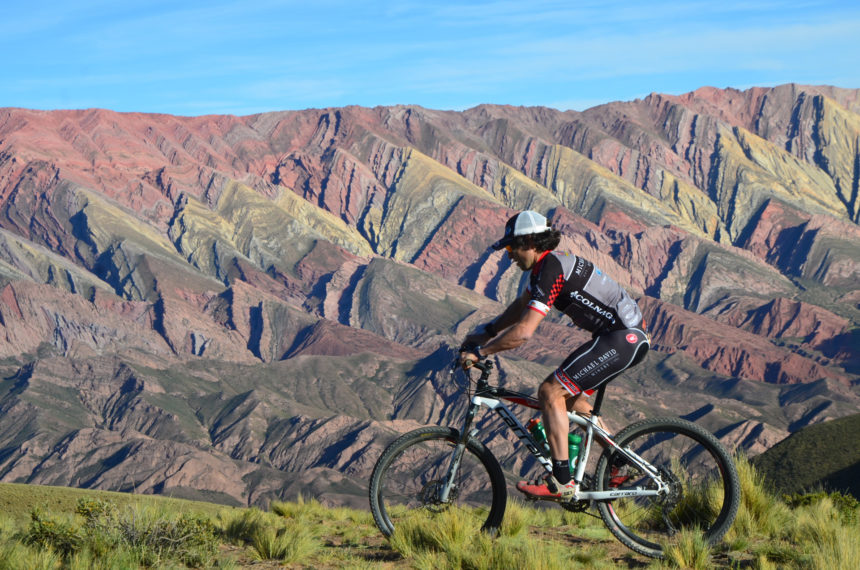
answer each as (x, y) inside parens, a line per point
(516, 521)
(15, 556)
(846, 505)
(450, 540)
(828, 540)
(240, 527)
(60, 535)
(760, 512)
(303, 509)
(148, 537)
(96, 510)
(155, 536)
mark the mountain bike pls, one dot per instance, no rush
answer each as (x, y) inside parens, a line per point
(655, 478)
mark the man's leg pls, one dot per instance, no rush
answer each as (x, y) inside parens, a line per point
(552, 397)
(579, 404)
(553, 402)
(582, 406)
(585, 369)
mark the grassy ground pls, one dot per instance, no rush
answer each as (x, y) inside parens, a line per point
(49, 527)
(17, 501)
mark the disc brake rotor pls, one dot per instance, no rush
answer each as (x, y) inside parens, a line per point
(430, 496)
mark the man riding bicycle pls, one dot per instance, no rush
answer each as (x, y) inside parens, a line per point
(593, 301)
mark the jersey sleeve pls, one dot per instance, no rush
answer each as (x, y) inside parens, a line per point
(545, 285)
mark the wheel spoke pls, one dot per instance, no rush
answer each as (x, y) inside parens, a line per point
(412, 472)
(700, 477)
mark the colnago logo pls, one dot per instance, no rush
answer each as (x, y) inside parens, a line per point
(605, 313)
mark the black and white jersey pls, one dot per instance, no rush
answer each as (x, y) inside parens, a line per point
(574, 286)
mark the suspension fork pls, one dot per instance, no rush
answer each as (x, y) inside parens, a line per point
(457, 453)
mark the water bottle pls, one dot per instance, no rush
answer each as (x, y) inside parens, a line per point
(574, 442)
(535, 426)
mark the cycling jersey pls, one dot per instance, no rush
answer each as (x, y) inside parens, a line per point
(596, 303)
(574, 286)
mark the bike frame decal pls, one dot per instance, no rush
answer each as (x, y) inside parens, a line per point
(522, 401)
(515, 425)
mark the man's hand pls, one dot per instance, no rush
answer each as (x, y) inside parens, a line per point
(469, 353)
(469, 348)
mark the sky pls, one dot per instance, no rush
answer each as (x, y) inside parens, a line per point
(246, 57)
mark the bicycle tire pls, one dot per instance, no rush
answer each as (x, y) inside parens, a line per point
(411, 468)
(705, 490)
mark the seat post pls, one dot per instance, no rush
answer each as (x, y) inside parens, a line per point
(598, 400)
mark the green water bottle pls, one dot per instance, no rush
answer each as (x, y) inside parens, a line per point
(535, 426)
(574, 442)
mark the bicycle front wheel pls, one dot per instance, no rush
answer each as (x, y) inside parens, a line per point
(410, 474)
(703, 488)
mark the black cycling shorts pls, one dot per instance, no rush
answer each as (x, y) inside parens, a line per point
(602, 359)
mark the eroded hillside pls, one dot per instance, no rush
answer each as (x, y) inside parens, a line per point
(246, 307)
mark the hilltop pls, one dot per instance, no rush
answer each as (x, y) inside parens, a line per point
(823, 455)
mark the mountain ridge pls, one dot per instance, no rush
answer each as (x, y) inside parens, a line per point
(246, 291)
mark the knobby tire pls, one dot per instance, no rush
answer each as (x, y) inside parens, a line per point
(410, 471)
(705, 488)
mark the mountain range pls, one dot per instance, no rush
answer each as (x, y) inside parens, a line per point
(243, 308)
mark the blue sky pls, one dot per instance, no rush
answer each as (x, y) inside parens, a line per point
(244, 57)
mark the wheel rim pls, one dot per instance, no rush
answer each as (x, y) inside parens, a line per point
(696, 493)
(413, 480)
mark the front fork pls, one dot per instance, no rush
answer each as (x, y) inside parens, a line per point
(457, 454)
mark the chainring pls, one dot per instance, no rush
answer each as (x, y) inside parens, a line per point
(579, 506)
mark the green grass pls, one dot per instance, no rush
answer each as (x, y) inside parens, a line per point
(18, 500)
(59, 528)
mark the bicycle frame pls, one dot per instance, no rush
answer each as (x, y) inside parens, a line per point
(492, 397)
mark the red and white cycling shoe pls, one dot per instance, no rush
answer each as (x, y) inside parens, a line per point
(550, 489)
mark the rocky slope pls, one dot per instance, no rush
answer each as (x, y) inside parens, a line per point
(242, 308)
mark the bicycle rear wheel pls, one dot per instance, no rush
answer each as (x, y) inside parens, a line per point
(410, 473)
(704, 491)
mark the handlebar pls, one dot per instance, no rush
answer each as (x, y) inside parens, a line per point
(484, 366)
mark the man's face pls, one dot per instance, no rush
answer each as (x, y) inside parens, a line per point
(523, 257)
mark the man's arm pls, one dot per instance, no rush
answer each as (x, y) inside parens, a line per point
(518, 323)
(516, 335)
(509, 316)
(513, 313)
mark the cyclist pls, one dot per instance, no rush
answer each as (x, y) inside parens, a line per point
(593, 301)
